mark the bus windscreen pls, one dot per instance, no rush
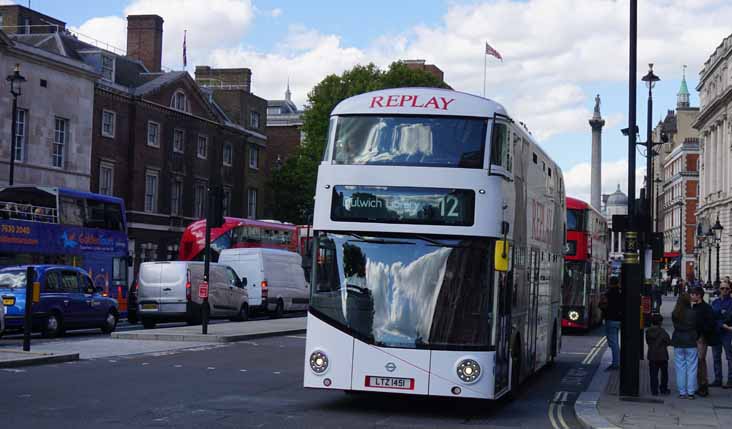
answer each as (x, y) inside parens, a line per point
(410, 140)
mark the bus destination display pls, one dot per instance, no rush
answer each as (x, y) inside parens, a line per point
(381, 204)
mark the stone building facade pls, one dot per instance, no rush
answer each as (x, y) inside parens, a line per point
(55, 108)
(676, 180)
(715, 141)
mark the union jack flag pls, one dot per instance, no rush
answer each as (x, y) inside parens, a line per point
(490, 51)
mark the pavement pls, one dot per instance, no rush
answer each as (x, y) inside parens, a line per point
(222, 332)
(17, 358)
(601, 406)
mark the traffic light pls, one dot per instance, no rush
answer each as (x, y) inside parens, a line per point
(215, 218)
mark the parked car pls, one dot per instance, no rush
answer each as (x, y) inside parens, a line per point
(68, 300)
(168, 291)
(276, 280)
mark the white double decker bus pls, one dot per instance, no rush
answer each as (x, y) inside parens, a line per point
(438, 248)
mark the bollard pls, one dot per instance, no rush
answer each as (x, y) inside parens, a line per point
(27, 316)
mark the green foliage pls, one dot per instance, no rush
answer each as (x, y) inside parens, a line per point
(293, 186)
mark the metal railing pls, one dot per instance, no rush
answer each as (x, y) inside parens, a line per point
(18, 211)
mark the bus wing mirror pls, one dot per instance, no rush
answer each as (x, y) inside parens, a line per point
(244, 281)
(500, 260)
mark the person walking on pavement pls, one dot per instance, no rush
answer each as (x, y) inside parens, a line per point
(722, 308)
(611, 305)
(706, 327)
(658, 341)
(675, 286)
(685, 350)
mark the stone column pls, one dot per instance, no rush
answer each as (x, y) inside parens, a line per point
(596, 173)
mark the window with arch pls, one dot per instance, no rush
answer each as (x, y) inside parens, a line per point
(179, 101)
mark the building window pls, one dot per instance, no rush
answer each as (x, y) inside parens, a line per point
(176, 196)
(20, 134)
(108, 68)
(153, 134)
(252, 203)
(60, 139)
(179, 140)
(106, 178)
(228, 154)
(253, 157)
(199, 200)
(179, 102)
(202, 148)
(109, 120)
(254, 120)
(227, 201)
(151, 191)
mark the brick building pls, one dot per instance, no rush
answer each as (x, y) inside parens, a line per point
(17, 19)
(159, 140)
(284, 129)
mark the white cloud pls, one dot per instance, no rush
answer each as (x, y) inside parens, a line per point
(614, 173)
(552, 49)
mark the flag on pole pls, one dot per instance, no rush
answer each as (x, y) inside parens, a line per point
(490, 51)
(185, 59)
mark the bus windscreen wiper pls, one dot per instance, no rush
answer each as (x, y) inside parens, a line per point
(439, 243)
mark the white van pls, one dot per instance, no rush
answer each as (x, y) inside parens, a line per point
(168, 291)
(276, 280)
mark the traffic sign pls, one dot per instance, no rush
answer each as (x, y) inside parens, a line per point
(203, 290)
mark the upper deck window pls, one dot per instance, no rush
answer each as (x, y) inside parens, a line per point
(575, 220)
(410, 140)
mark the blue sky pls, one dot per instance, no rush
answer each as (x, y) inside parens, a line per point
(557, 53)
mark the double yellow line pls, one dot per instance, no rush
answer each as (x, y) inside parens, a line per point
(555, 409)
(595, 351)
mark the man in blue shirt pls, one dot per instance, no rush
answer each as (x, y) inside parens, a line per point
(722, 307)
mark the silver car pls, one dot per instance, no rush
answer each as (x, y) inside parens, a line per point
(168, 291)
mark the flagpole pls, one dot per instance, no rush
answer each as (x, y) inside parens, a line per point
(485, 64)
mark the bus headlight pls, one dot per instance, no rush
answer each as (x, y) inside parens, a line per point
(574, 315)
(318, 362)
(468, 371)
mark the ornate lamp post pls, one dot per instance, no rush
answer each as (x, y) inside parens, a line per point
(710, 244)
(717, 230)
(650, 79)
(15, 80)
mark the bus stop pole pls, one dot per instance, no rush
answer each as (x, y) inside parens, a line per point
(206, 267)
(27, 315)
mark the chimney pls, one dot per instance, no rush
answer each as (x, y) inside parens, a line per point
(145, 40)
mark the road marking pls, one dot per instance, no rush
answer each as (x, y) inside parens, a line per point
(277, 373)
(297, 336)
(178, 366)
(594, 351)
(561, 417)
(242, 370)
(145, 363)
(555, 411)
(211, 368)
(551, 417)
(14, 370)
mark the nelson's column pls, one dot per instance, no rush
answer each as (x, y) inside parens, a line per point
(596, 182)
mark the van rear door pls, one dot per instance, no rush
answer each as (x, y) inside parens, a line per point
(149, 290)
(173, 278)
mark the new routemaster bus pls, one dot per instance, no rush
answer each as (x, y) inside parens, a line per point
(438, 248)
(586, 265)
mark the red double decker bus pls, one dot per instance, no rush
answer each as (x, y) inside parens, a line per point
(585, 265)
(238, 233)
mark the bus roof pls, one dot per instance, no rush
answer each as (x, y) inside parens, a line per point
(419, 101)
(577, 204)
(64, 192)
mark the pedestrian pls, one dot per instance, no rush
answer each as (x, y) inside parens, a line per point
(722, 308)
(685, 350)
(675, 285)
(611, 305)
(658, 341)
(706, 327)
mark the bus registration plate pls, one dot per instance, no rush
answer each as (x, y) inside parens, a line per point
(390, 382)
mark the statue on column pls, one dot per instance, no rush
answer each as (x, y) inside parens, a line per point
(597, 105)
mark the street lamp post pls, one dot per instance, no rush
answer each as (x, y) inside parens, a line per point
(650, 79)
(15, 80)
(717, 229)
(710, 245)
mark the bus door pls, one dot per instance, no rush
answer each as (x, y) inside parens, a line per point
(534, 267)
(502, 296)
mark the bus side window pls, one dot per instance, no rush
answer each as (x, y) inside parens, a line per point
(72, 211)
(113, 216)
(95, 214)
(499, 145)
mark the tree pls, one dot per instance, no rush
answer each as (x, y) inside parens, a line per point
(293, 185)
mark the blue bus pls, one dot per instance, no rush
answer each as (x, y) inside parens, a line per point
(45, 225)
